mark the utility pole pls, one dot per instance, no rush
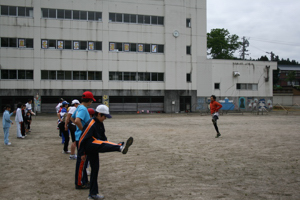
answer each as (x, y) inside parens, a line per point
(243, 51)
(272, 55)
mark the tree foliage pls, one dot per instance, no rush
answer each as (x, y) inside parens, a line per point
(222, 45)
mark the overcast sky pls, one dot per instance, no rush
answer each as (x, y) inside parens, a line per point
(269, 25)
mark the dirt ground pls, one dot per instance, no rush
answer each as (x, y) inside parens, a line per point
(174, 156)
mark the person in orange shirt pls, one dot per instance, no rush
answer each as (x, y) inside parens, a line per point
(214, 111)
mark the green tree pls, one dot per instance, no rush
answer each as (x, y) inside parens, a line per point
(222, 45)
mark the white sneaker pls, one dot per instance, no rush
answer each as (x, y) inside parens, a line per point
(73, 157)
(66, 152)
(88, 172)
(8, 144)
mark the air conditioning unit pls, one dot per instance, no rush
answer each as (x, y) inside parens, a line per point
(235, 73)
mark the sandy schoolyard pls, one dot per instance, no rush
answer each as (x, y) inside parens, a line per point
(174, 156)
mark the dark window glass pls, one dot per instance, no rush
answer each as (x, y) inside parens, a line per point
(83, 45)
(126, 18)
(115, 99)
(119, 17)
(147, 76)
(60, 14)
(4, 42)
(119, 75)
(68, 14)
(91, 76)
(133, 76)
(12, 42)
(160, 48)
(143, 99)
(238, 86)
(68, 44)
(141, 76)
(52, 13)
(29, 43)
(147, 19)
(12, 74)
(188, 23)
(4, 10)
(157, 99)
(160, 76)
(45, 12)
(111, 75)
(52, 75)
(98, 75)
(153, 19)
(83, 15)
(4, 74)
(98, 16)
(147, 48)
(133, 47)
(119, 46)
(217, 86)
(153, 76)
(29, 12)
(112, 17)
(60, 75)
(133, 18)
(98, 46)
(52, 44)
(160, 20)
(29, 74)
(188, 50)
(76, 75)
(21, 11)
(44, 75)
(75, 14)
(130, 99)
(140, 19)
(188, 77)
(68, 75)
(91, 16)
(126, 76)
(12, 11)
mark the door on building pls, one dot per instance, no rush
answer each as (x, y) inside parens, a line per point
(185, 104)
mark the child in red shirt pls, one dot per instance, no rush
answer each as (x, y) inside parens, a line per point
(214, 111)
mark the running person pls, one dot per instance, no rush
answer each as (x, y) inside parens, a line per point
(214, 111)
(93, 141)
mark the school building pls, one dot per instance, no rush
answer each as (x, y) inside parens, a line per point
(134, 55)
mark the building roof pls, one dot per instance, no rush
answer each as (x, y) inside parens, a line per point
(289, 67)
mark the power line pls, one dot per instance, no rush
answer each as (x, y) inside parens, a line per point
(274, 41)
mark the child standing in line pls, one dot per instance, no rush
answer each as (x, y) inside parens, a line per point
(27, 121)
(6, 123)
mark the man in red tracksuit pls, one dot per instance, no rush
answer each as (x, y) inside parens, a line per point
(214, 111)
(93, 141)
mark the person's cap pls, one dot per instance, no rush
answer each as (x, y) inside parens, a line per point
(91, 111)
(75, 101)
(88, 95)
(65, 103)
(103, 109)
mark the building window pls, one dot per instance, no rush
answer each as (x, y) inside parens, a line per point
(188, 23)
(136, 76)
(188, 78)
(17, 42)
(188, 50)
(17, 11)
(134, 47)
(68, 44)
(16, 74)
(217, 86)
(247, 86)
(132, 18)
(71, 14)
(71, 75)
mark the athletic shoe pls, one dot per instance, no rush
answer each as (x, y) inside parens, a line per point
(73, 157)
(96, 196)
(218, 135)
(88, 172)
(124, 148)
(8, 144)
(21, 137)
(66, 152)
(82, 187)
